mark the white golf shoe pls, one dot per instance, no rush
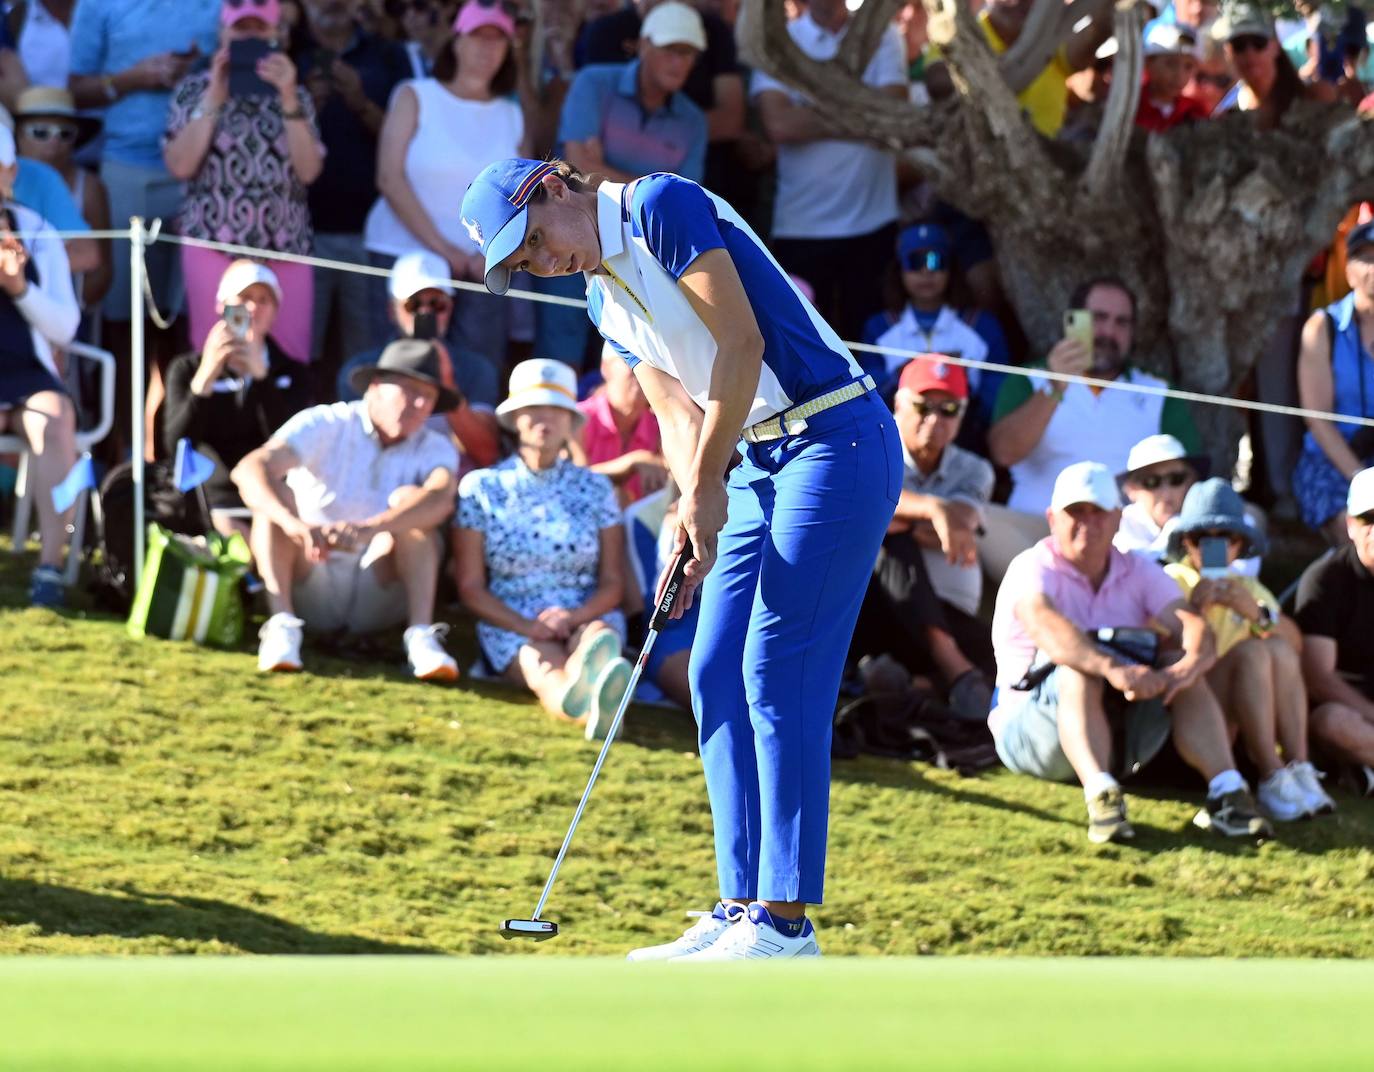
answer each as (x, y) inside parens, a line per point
(1309, 779)
(426, 655)
(701, 935)
(1282, 798)
(279, 646)
(757, 937)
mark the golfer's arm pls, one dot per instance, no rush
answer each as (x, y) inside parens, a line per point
(1062, 642)
(679, 418)
(714, 291)
(470, 575)
(261, 478)
(425, 508)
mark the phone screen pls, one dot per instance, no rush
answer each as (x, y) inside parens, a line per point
(1214, 557)
(236, 316)
(1078, 324)
(426, 326)
(243, 68)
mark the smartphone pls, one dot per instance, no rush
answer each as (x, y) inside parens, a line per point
(1078, 324)
(426, 325)
(238, 319)
(1215, 562)
(243, 68)
(324, 62)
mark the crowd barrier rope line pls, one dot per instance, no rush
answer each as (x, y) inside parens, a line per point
(140, 236)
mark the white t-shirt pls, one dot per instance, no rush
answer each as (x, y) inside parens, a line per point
(454, 140)
(345, 474)
(835, 189)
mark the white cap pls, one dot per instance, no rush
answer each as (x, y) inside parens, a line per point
(1155, 449)
(417, 271)
(6, 146)
(1360, 499)
(241, 275)
(1085, 482)
(540, 382)
(1165, 39)
(674, 23)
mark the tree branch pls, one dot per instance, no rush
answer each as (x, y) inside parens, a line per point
(1103, 175)
(1047, 27)
(865, 31)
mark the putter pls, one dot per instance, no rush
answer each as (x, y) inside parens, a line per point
(542, 929)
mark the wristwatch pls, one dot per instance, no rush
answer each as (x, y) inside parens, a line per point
(202, 112)
(1264, 624)
(1054, 390)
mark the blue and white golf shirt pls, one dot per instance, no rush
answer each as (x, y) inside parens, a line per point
(651, 231)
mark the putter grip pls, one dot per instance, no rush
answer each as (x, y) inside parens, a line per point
(667, 598)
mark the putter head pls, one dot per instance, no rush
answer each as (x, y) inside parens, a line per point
(538, 929)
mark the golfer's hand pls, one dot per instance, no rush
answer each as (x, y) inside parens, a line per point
(701, 516)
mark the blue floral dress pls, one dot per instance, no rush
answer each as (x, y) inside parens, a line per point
(542, 540)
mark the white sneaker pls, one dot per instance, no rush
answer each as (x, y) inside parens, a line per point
(702, 934)
(426, 655)
(755, 937)
(1309, 780)
(279, 644)
(1282, 798)
(576, 700)
(606, 696)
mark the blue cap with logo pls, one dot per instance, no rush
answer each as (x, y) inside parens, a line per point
(923, 236)
(496, 213)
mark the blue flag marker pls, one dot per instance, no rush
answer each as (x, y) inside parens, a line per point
(191, 469)
(81, 478)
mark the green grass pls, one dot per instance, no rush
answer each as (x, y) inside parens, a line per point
(160, 798)
(391, 1013)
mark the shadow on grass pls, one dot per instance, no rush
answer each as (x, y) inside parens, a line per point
(137, 914)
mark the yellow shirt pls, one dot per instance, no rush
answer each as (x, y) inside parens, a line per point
(1228, 626)
(1046, 99)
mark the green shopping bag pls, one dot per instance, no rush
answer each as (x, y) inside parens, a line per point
(190, 588)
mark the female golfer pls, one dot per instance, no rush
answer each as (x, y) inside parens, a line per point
(733, 361)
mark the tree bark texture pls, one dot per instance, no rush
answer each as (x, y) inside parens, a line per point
(1211, 224)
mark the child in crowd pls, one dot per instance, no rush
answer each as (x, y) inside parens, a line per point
(1170, 60)
(1258, 677)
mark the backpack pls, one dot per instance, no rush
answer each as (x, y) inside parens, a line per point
(912, 725)
(113, 584)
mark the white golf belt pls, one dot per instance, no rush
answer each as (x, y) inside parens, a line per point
(793, 421)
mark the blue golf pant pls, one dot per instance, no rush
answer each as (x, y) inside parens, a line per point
(807, 516)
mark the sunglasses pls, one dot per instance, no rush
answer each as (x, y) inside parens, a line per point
(1212, 534)
(924, 260)
(43, 132)
(938, 409)
(1155, 481)
(1248, 43)
(1220, 81)
(1366, 519)
(428, 305)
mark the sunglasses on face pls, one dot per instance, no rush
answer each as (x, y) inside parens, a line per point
(1249, 43)
(1366, 519)
(428, 305)
(924, 260)
(938, 409)
(1155, 481)
(1220, 81)
(43, 132)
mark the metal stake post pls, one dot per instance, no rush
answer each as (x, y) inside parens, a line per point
(137, 364)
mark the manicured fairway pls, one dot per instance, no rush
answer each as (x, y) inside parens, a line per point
(552, 1014)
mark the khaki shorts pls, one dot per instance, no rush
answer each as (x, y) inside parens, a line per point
(344, 593)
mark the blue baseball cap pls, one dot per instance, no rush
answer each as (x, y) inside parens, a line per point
(923, 236)
(496, 215)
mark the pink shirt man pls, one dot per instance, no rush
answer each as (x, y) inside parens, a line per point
(1134, 591)
(601, 438)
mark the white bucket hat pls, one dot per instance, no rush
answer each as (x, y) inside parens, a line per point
(241, 275)
(540, 382)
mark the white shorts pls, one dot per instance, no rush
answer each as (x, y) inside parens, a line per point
(343, 593)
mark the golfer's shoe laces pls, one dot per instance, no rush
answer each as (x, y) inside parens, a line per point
(708, 929)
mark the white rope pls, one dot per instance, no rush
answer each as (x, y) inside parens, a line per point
(155, 235)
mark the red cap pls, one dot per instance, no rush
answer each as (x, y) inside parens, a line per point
(932, 372)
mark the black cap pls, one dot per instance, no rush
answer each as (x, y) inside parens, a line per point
(1362, 235)
(416, 358)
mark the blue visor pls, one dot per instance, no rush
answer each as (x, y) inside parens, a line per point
(495, 212)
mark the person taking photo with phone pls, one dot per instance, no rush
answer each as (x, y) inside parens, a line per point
(1257, 678)
(242, 135)
(238, 388)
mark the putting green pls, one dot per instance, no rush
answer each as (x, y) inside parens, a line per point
(555, 1014)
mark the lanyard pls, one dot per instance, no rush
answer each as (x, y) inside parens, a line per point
(626, 288)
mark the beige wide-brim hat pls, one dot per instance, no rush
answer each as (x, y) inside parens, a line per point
(540, 382)
(52, 102)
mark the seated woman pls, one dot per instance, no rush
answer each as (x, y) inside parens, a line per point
(38, 310)
(1258, 676)
(538, 557)
(1336, 374)
(241, 387)
(620, 438)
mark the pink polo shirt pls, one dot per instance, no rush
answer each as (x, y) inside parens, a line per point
(601, 438)
(1135, 590)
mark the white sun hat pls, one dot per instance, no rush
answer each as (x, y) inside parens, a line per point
(241, 275)
(540, 382)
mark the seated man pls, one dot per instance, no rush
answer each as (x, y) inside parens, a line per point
(1040, 426)
(1094, 710)
(421, 307)
(1159, 472)
(1335, 611)
(923, 598)
(619, 437)
(347, 504)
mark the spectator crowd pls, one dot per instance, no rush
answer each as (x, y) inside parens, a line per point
(1064, 565)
